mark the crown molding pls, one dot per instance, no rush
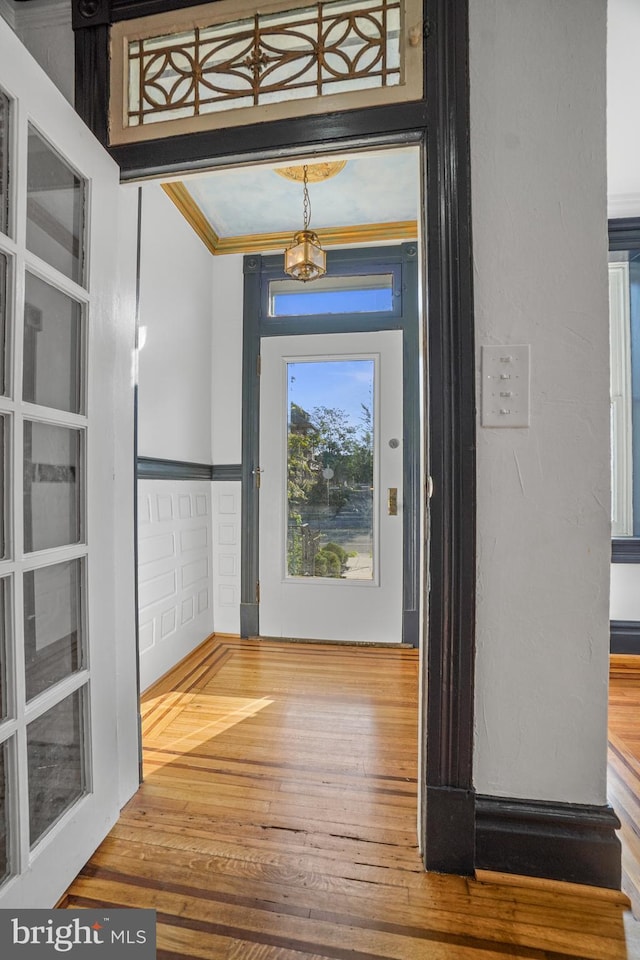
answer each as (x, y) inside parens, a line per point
(192, 213)
(269, 242)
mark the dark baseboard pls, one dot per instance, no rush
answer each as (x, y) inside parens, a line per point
(152, 468)
(625, 636)
(576, 843)
(450, 827)
(249, 619)
(625, 550)
(411, 628)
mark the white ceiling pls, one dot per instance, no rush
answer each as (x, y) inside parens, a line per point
(380, 186)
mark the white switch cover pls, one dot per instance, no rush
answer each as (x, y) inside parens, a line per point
(505, 385)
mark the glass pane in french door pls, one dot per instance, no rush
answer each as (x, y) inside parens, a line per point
(52, 347)
(4, 162)
(52, 489)
(56, 763)
(53, 643)
(4, 478)
(55, 209)
(330, 469)
(3, 648)
(3, 323)
(5, 864)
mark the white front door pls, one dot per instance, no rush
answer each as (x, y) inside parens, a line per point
(58, 749)
(331, 454)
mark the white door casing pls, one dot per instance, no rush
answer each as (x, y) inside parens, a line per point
(39, 872)
(323, 608)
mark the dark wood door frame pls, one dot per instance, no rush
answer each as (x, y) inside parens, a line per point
(441, 122)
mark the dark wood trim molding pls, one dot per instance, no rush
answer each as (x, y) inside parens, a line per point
(625, 637)
(560, 841)
(452, 521)
(440, 121)
(226, 471)
(151, 468)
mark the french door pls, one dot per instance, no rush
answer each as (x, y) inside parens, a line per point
(331, 481)
(58, 751)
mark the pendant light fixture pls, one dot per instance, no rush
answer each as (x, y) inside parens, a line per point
(305, 259)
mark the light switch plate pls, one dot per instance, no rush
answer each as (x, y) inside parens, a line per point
(505, 385)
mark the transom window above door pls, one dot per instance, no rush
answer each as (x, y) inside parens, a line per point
(215, 65)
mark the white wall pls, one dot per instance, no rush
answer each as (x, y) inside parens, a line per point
(226, 368)
(174, 423)
(174, 407)
(540, 257)
(625, 591)
(623, 131)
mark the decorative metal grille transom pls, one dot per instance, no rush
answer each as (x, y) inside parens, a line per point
(325, 48)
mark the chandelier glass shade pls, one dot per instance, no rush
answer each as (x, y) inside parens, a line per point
(305, 259)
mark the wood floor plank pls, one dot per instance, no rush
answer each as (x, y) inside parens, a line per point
(277, 822)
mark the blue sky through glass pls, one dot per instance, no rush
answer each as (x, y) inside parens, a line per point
(316, 302)
(339, 384)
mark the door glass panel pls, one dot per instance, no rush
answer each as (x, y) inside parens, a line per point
(56, 763)
(52, 625)
(55, 209)
(52, 347)
(4, 465)
(330, 469)
(5, 863)
(331, 295)
(3, 653)
(3, 324)
(4, 162)
(52, 457)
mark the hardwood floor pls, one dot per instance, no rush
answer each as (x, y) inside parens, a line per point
(623, 773)
(277, 822)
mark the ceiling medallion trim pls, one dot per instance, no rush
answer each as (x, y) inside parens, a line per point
(316, 172)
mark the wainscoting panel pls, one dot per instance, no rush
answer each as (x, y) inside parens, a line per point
(226, 555)
(175, 586)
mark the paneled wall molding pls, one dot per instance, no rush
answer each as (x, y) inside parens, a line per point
(175, 583)
(576, 843)
(227, 525)
(625, 637)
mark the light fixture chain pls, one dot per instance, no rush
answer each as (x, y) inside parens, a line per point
(306, 200)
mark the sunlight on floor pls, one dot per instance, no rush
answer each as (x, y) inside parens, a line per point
(222, 713)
